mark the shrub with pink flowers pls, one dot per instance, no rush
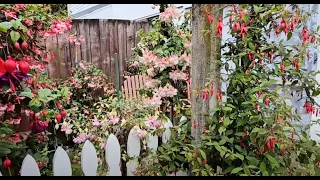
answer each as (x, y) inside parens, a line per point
(164, 56)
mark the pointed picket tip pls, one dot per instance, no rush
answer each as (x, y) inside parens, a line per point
(167, 133)
(133, 144)
(89, 159)
(152, 142)
(29, 167)
(61, 163)
(113, 152)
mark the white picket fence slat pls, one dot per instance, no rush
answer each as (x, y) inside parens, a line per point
(89, 159)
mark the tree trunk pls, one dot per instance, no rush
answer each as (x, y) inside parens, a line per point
(205, 63)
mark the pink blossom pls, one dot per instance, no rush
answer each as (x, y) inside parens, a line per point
(166, 91)
(16, 121)
(186, 58)
(16, 7)
(140, 133)
(83, 66)
(86, 111)
(9, 14)
(154, 101)
(177, 75)
(91, 85)
(152, 122)
(151, 72)
(162, 64)
(151, 83)
(80, 139)
(135, 64)
(148, 57)
(96, 123)
(78, 86)
(10, 107)
(67, 128)
(169, 14)
(86, 77)
(173, 60)
(114, 120)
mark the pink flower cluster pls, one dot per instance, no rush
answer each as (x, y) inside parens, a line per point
(113, 119)
(186, 58)
(81, 138)
(169, 14)
(154, 101)
(149, 58)
(166, 91)
(177, 75)
(151, 83)
(152, 122)
(17, 7)
(9, 14)
(140, 133)
(58, 27)
(75, 40)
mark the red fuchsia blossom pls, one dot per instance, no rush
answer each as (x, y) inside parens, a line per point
(205, 95)
(241, 15)
(243, 30)
(219, 27)
(18, 7)
(9, 14)
(236, 26)
(209, 17)
(305, 35)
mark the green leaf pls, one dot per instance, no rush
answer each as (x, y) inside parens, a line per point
(289, 36)
(255, 130)
(256, 9)
(44, 93)
(223, 140)
(35, 102)
(222, 129)
(240, 134)
(227, 109)
(203, 154)
(15, 36)
(27, 94)
(236, 170)
(239, 156)
(272, 160)
(251, 46)
(263, 167)
(4, 26)
(4, 151)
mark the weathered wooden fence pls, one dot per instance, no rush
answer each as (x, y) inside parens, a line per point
(103, 38)
(89, 160)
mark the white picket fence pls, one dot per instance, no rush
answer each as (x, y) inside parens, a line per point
(89, 159)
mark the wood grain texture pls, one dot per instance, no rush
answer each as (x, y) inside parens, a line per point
(103, 38)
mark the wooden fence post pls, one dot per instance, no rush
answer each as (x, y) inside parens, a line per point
(116, 59)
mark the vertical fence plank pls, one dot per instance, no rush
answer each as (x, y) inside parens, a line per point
(61, 163)
(167, 133)
(89, 160)
(29, 167)
(113, 155)
(133, 151)
(83, 46)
